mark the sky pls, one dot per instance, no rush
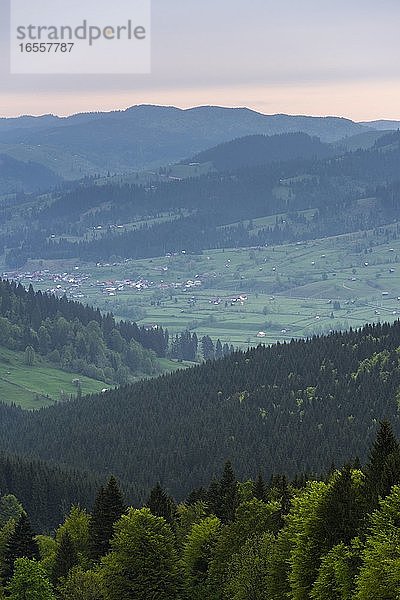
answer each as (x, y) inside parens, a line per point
(316, 57)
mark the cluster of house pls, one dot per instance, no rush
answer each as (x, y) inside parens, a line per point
(63, 283)
(231, 300)
(73, 284)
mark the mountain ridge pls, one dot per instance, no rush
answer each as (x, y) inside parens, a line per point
(144, 136)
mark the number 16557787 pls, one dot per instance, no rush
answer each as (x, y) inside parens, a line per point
(47, 47)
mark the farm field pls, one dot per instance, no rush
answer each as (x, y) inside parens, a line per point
(244, 296)
(40, 385)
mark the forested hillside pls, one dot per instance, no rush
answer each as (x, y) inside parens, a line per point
(46, 491)
(76, 337)
(90, 143)
(331, 538)
(16, 176)
(98, 222)
(256, 150)
(289, 408)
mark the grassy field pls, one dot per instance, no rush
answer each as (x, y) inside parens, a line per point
(40, 385)
(147, 177)
(250, 296)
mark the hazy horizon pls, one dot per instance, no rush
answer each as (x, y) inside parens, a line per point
(313, 57)
(190, 107)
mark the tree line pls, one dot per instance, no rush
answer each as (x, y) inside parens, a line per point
(75, 337)
(335, 537)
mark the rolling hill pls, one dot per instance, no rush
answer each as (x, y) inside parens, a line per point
(146, 135)
(259, 150)
(20, 176)
(289, 408)
(97, 222)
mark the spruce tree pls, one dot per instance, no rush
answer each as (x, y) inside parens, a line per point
(260, 489)
(20, 545)
(66, 557)
(196, 495)
(341, 511)
(108, 508)
(223, 496)
(285, 497)
(213, 500)
(383, 469)
(160, 504)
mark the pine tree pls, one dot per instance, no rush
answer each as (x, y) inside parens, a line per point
(285, 497)
(341, 511)
(160, 504)
(108, 508)
(197, 495)
(20, 545)
(218, 349)
(223, 496)
(260, 489)
(207, 347)
(383, 469)
(66, 557)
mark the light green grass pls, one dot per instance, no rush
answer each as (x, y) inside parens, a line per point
(40, 385)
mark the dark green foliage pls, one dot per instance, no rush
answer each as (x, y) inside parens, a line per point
(184, 346)
(66, 558)
(10, 509)
(198, 495)
(108, 508)
(20, 545)
(223, 495)
(260, 489)
(45, 490)
(228, 494)
(207, 346)
(383, 469)
(161, 504)
(341, 511)
(256, 150)
(291, 408)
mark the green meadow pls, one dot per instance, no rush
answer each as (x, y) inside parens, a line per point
(255, 295)
(39, 385)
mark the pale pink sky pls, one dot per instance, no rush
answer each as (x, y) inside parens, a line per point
(358, 101)
(314, 57)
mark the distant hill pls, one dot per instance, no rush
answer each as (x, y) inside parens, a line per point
(381, 124)
(256, 150)
(333, 186)
(145, 136)
(362, 141)
(16, 176)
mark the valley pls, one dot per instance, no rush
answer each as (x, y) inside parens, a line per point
(291, 290)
